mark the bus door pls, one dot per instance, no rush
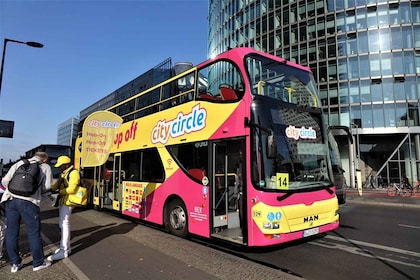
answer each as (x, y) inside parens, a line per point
(113, 186)
(97, 179)
(227, 180)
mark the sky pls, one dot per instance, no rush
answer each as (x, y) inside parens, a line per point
(91, 48)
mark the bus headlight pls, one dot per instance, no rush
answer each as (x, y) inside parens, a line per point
(274, 225)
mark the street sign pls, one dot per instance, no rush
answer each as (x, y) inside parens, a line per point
(6, 128)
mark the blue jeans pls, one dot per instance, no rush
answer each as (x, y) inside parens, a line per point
(18, 210)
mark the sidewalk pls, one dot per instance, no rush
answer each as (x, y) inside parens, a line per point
(379, 196)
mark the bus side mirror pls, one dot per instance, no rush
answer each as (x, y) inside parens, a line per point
(271, 146)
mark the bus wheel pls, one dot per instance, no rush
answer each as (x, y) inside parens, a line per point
(177, 218)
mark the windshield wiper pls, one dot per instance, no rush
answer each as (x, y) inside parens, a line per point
(319, 185)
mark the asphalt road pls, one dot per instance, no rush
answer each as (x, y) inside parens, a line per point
(377, 240)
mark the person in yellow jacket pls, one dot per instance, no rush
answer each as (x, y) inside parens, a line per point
(67, 184)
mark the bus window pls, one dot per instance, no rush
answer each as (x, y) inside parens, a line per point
(220, 81)
(151, 169)
(191, 156)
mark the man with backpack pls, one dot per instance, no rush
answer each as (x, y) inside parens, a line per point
(25, 182)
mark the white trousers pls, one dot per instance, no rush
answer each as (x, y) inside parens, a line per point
(64, 213)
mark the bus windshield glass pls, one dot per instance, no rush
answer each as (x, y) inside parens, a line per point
(299, 159)
(281, 81)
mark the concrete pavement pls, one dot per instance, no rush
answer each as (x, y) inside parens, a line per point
(379, 196)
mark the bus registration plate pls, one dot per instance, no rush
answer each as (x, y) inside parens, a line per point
(311, 231)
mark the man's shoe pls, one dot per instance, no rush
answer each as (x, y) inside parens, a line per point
(15, 267)
(60, 254)
(42, 266)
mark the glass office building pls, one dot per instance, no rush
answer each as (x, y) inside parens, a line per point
(365, 56)
(67, 132)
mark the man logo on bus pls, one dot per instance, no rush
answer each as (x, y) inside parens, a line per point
(182, 124)
(303, 133)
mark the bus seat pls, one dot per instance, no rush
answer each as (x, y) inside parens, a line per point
(197, 173)
(228, 93)
(206, 96)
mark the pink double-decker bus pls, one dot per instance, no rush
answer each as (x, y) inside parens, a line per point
(234, 149)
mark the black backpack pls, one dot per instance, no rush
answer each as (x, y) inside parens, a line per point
(25, 180)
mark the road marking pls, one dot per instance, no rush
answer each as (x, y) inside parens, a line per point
(364, 252)
(401, 225)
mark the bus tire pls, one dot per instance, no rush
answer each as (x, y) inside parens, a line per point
(176, 217)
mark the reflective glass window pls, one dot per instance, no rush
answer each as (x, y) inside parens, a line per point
(405, 12)
(399, 90)
(413, 114)
(376, 91)
(352, 45)
(396, 38)
(389, 110)
(397, 63)
(354, 92)
(334, 118)
(350, 21)
(363, 42)
(342, 69)
(365, 94)
(355, 114)
(417, 61)
(353, 67)
(350, 3)
(384, 39)
(386, 64)
(375, 66)
(367, 116)
(388, 89)
(340, 23)
(411, 88)
(361, 19)
(415, 11)
(394, 16)
(342, 45)
(345, 116)
(401, 112)
(407, 37)
(409, 62)
(372, 20)
(383, 16)
(344, 93)
(373, 40)
(364, 66)
(416, 31)
(378, 115)
(331, 5)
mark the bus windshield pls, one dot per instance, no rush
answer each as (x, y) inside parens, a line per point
(281, 81)
(301, 159)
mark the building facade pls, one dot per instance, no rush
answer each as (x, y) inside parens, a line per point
(157, 74)
(365, 56)
(67, 132)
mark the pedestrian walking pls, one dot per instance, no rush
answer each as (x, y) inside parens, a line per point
(66, 185)
(2, 226)
(22, 199)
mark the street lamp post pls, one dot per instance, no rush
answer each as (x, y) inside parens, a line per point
(355, 127)
(31, 44)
